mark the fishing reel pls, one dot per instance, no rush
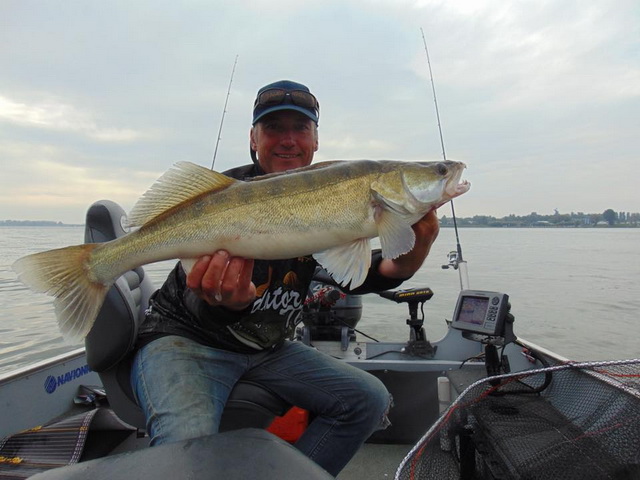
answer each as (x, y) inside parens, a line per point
(453, 260)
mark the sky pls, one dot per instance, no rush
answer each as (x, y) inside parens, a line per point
(540, 98)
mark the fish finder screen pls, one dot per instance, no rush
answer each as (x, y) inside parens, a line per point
(481, 311)
(473, 310)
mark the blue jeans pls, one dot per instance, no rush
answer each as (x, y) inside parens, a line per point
(182, 387)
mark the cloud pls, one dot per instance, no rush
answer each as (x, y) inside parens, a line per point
(55, 189)
(352, 147)
(60, 184)
(56, 115)
(533, 95)
(533, 53)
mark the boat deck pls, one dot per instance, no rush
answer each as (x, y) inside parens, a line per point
(375, 461)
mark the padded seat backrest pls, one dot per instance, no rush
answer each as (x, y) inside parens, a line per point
(111, 340)
(114, 332)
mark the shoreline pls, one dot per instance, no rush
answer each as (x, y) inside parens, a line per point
(447, 224)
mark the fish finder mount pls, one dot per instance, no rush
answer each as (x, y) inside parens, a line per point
(485, 317)
(418, 344)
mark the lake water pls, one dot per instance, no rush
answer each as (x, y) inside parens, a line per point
(573, 291)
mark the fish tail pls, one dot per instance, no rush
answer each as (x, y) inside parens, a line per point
(64, 273)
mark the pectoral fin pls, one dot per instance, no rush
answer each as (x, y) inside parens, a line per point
(396, 235)
(347, 264)
(393, 212)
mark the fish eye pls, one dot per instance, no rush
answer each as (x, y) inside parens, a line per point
(442, 169)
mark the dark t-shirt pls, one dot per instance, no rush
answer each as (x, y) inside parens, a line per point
(281, 285)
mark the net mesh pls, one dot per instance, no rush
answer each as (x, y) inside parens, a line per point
(570, 421)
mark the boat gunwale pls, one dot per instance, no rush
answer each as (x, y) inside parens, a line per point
(37, 367)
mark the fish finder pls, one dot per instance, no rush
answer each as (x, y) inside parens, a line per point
(483, 312)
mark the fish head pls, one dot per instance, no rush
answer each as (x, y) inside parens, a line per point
(432, 184)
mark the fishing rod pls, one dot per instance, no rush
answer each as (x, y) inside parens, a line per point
(455, 258)
(224, 111)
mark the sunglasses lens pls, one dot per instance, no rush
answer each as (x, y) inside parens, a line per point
(274, 96)
(303, 99)
(278, 96)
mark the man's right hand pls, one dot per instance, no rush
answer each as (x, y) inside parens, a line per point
(222, 280)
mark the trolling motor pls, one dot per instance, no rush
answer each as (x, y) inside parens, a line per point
(418, 344)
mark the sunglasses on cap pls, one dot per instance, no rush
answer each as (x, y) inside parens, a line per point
(278, 96)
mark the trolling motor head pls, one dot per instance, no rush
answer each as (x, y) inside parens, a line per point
(418, 344)
(412, 296)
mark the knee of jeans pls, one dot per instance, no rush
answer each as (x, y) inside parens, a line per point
(375, 403)
(384, 420)
(378, 408)
(385, 403)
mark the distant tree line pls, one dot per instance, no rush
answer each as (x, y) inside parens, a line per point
(608, 218)
(31, 223)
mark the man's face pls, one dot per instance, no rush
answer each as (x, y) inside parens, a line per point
(284, 140)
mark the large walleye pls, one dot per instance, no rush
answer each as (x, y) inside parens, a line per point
(330, 210)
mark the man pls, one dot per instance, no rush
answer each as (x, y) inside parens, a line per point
(230, 318)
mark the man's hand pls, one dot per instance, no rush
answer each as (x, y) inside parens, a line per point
(426, 230)
(222, 280)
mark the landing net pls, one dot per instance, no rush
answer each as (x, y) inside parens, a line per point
(571, 421)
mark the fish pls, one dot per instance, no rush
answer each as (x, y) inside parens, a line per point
(329, 210)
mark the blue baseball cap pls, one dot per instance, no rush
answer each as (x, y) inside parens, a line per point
(285, 95)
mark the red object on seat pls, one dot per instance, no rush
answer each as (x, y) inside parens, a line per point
(290, 426)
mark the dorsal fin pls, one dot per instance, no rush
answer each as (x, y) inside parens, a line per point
(184, 181)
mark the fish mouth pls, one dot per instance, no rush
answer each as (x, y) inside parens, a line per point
(455, 186)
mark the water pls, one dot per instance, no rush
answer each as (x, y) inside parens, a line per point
(573, 291)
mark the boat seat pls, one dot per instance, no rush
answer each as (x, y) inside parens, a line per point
(240, 455)
(109, 344)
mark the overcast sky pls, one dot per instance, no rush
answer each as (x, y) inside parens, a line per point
(541, 99)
